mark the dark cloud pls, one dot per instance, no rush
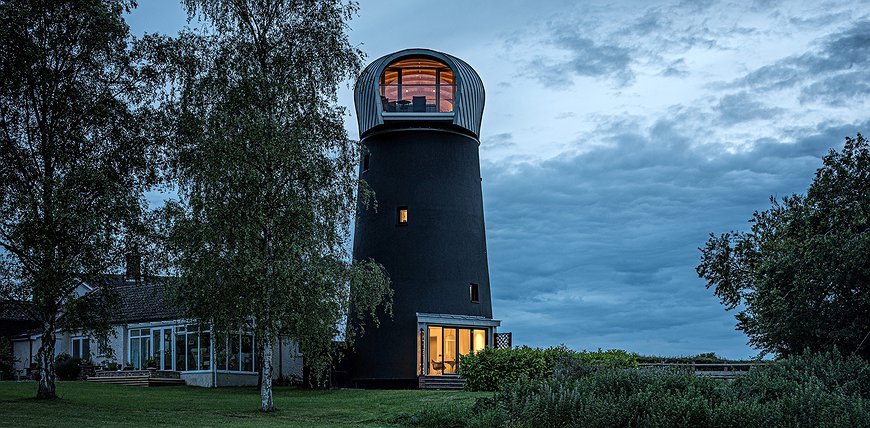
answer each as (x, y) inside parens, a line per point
(846, 51)
(599, 248)
(585, 49)
(497, 141)
(583, 57)
(742, 107)
(676, 68)
(839, 90)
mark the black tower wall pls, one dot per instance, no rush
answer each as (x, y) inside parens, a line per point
(431, 165)
(433, 260)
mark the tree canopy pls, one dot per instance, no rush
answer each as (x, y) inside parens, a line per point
(78, 146)
(800, 277)
(265, 174)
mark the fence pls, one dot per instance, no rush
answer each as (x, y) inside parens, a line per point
(713, 370)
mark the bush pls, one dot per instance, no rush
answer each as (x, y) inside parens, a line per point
(67, 367)
(819, 390)
(7, 359)
(487, 369)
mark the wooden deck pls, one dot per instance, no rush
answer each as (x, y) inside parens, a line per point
(146, 378)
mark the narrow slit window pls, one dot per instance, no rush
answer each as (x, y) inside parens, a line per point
(475, 293)
(402, 216)
(365, 162)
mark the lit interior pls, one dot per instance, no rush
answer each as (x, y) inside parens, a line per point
(418, 85)
(403, 216)
(446, 344)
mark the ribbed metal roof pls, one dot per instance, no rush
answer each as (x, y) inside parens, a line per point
(470, 95)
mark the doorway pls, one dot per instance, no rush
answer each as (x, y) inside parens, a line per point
(162, 347)
(446, 344)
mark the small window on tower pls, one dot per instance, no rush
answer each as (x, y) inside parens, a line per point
(475, 294)
(402, 216)
(365, 162)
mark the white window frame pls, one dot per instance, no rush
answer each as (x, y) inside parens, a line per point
(81, 341)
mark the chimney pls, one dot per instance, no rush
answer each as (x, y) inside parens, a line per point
(134, 266)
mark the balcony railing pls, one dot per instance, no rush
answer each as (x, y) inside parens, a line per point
(398, 98)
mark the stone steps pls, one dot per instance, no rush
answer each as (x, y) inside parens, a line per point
(441, 382)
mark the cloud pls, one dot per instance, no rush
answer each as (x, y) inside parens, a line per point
(498, 141)
(598, 248)
(676, 68)
(742, 107)
(581, 56)
(846, 51)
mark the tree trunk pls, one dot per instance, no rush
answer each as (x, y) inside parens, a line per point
(45, 357)
(266, 389)
(258, 366)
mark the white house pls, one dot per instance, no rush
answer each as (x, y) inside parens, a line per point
(148, 326)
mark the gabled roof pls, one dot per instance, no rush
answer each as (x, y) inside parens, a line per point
(141, 301)
(14, 318)
(145, 300)
(14, 311)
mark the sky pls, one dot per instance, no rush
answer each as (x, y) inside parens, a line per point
(618, 135)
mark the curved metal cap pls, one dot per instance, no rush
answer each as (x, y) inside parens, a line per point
(467, 111)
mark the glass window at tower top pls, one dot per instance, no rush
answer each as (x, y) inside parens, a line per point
(417, 85)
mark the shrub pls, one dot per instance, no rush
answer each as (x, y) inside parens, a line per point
(487, 369)
(7, 359)
(67, 367)
(819, 390)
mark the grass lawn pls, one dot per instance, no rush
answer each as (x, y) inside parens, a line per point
(88, 404)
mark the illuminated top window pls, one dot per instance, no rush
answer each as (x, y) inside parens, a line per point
(418, 85)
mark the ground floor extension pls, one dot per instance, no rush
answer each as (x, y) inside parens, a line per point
(201, 357)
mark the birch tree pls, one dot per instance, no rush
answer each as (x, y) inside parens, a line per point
(78, 145)
(265, 174)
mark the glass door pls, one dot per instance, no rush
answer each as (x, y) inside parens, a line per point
(162, 347)
(435, 345)
(446, 344)
(451, 360)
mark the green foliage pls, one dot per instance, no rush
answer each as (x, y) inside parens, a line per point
(826, 390)
(78, 149)
(487, 369)
(801, 274)
(67, 367)
(7, 359)
(265, 174)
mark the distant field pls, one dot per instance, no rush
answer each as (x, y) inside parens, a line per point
(93, 405)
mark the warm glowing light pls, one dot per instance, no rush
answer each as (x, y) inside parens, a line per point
(418, 85)
(446, 344)
(479, 340)
(403, 215)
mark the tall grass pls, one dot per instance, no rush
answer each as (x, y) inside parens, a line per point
(809, 390)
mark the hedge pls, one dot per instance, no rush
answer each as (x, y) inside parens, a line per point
(489, 368)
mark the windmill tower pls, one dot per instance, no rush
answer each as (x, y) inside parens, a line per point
(419, 115)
